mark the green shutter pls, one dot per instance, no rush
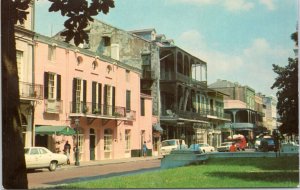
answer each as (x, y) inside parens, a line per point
(58, 89)
(94, 86)
(46, 78)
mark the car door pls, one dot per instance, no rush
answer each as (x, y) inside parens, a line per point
(45, 157)
(32, 158)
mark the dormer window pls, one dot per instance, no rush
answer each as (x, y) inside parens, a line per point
(79, 60)
(106, 41)
(51, 52)
(94, 65)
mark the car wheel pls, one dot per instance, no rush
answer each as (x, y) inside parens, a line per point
(52, 166)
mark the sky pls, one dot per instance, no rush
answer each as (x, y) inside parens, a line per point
(238, 39)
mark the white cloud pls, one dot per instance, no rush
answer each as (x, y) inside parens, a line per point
(230, 5)
(238, 5)
(269, 4)
(250, 66)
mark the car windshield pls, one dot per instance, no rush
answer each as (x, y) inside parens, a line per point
(167, 143)
(270, 141)
(26, 150)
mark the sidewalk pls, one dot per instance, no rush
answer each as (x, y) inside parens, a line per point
(111, 161)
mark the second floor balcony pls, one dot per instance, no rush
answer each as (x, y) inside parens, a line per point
(172, 76)
(218, 114)
(102, 110)
(30, 91)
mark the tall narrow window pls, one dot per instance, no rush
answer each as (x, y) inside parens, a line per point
(128, 101)
(78, 95)
(127, 139)
(51, 53)
(108, 140)
(51, 86)
(19, 63)
(106, 41)
(142, 106)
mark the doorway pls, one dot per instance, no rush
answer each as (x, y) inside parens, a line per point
(92, 144)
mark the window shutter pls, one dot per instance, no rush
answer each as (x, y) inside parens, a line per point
(74, 95)
(46, 78)
(113, 99)
(99, 96)
(84, 92)
(143, 107)
(128, 100)
(58, 89)
(105, 100)
(94, 86)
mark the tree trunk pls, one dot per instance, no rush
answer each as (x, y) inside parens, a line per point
(13, 160)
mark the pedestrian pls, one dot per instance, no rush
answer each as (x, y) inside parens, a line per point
(232, 148)
(144, 149)
(67, 149)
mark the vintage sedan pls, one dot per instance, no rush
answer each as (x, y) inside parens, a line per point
(203, 147)
(224, 147)
(41, 157)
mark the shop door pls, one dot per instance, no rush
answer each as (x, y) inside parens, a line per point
(92, 144)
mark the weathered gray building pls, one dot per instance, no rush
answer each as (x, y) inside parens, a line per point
(177, 81)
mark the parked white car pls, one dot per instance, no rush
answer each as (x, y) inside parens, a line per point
(203, 147)
(41, 157)
(172, 144)
(224, 147)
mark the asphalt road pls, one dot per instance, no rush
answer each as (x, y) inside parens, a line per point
(67, 174)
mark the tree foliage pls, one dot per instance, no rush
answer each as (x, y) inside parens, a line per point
(287, 84)
(80, 13)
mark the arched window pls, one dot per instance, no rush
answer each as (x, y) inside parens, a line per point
(79, 60)
(94, 65)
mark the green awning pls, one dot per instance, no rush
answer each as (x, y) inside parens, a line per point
(54, 130)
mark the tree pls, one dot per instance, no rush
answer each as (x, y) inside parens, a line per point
(287, 85)
(80, 13)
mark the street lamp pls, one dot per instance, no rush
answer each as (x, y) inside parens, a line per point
(77, 141)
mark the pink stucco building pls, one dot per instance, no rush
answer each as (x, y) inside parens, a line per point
(102, 93)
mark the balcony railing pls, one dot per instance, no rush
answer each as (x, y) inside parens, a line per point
(103, 110)
(30, 91)
(53, 106)
(183, 78)
(195, 115)
(184, 114)
(218, 114)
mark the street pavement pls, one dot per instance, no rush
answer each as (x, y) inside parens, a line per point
(91, 170)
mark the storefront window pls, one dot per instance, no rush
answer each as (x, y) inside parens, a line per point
(127, 139)
(108, 140)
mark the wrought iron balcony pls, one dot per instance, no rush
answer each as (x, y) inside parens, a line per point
(101, 110)
(53, 106)
(30, 91)
(218, 114)
(172, 76)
